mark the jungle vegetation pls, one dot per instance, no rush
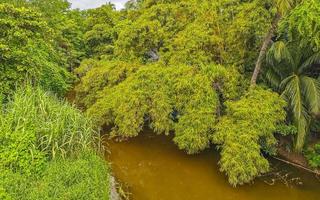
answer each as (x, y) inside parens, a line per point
(237, 74)
(240, 75)
(48, 148)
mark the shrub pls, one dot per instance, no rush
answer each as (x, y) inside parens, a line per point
(27, 52)
(313, 156)
(80, 178)
(39, 121)
(96, 75)
(46, 150)
(83, 177)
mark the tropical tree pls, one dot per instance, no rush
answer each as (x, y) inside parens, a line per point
(291, 72)
(294, 62)
(27, 52)
(100, 30)
(282, 7)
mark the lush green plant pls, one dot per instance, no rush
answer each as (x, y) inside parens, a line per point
(36, 120)
(286, 130)
(302, 24)
(293, 63)
(281, 9)
(96, 75)
(86, 177)
(290, 72)
(83, 177)
(100, 32)
(161, 96)
(13, 186)
(184, 40)
(157, 63)
(27, 52)
(313, 156)
(67, 28)
(192, 33)
(245, 130)
(47, 150)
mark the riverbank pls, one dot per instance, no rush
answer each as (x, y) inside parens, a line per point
(293, 158)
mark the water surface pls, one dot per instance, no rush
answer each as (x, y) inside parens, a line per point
(153, 168)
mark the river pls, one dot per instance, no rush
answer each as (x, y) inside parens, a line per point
(152, 168)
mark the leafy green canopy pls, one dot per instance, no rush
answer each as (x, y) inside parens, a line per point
(180, 99)
(178, 87)
(291, 72)
(248, 127)
(96, 75)
(302, 24)
(313, 156)
(100, 32)
(189, 32)
(27, 52)
(67, 27)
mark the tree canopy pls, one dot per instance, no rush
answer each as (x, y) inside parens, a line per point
(27, 51)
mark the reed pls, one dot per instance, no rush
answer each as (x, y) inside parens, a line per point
(57, 128)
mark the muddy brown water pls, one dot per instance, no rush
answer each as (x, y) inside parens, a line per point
(152, 168)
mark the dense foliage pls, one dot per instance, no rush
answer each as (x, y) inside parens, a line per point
(49, 145)
(164, 68)
(180, 67)
(84, 177)
(313, 156)
(293, 67)
(27, 52)
(171, 98)
(247, 128)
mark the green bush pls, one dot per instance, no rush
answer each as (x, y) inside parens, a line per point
(13, 186)
(313, 156)
(34, 125)
(98, 74)
(81, 178)
(44, 145)
(27, 52)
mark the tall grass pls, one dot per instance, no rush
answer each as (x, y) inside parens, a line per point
(48, 150)
(53, 127)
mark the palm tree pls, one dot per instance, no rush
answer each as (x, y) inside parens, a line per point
(292, 72)
(283, 7)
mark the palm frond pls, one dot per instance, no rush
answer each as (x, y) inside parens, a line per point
(311, 93)
(294, 94)
(284, 83)
(302, 125)
(314, 59)
(273, 78)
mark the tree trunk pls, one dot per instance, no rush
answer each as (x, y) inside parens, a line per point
(264, 48)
